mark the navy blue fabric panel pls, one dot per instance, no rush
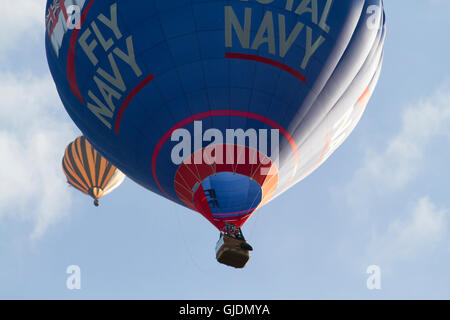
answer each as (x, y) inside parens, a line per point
(236, 194)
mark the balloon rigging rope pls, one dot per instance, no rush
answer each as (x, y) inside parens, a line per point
(188, 248)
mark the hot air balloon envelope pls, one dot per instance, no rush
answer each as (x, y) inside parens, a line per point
(220, 106)
(87, 171)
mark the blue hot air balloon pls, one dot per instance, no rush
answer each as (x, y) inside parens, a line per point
(217, 105)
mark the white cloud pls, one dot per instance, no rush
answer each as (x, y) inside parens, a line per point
(386, 174)
(20, 18)
(420, 232)
(33, 135)
(404, 155)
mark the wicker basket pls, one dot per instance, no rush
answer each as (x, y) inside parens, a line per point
(230, 252)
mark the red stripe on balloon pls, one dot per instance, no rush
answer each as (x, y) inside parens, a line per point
(218, 113)
(274, 63)
(128, 99)
(71, 71)
(231, 213)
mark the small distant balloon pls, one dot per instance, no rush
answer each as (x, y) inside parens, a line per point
(89, 172)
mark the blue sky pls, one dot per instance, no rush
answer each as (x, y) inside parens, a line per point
(381, 199)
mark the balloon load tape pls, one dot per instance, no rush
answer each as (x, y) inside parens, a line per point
(231, 251)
